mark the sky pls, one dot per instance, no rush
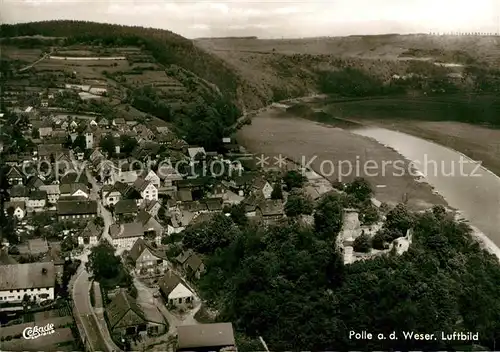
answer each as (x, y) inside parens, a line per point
(269, 19)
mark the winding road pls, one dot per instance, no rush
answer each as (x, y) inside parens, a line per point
(95, 328)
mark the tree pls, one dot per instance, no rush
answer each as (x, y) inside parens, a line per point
(162, 214)
(103, 263)
(294, 179)
(35, 133)
(79, 142)
(127, 144)
(362, 244)
(360, 189)
(399, 219)
(108, 144)
(99, 221)
(9, 227)
(277, 192)
(238, 214)
(369, 214)
(439, 211)
(68, 244)
(298, 204)
(208, 236)
(329, 215)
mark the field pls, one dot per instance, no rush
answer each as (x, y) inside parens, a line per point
(384, 47)
(138, 70)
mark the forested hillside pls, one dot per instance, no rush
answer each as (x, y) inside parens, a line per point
(167, 47)
(288, 284)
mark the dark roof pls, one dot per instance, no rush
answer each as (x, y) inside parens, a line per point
(38, 195)
(14, 205)
(246, 178)
(184, 256)
(213, 204)
(124, 311)
(18, 191)
(91, 230)
(14, 173)
(126, 206)
(128, 230)
(76, 207)
(193, 182)
(250, 203)
(73, 177)
(139, 246)
(205, 335)
(140, 184)
(184, 195)
(271, 207)
(168, 282)
(194, 206)
(70, 188)
(194, 262)
(143, 217)
(34, 182)
(121, 187)
(31, 275)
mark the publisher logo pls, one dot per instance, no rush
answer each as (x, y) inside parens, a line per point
(35, 332)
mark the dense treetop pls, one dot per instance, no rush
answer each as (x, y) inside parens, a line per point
(289, 285)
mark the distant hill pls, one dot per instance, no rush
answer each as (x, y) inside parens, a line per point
(247, 73)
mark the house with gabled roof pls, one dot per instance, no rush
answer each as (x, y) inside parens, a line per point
(53, 192)
(270, 210)
(262, 187)
(146, 189)
(74, 190)
(74, 177)
(124, 236)
(96, 157)
(36, 280)
(125, 208)
(34, 182)
(125, 176)
(152, 207)
(15, 176)
(126, 318)
(110, 195)
(79, 210)
(19, 193)
(36, 200)
(18, 208)
(90, 234)
(146, 259)
(152, 228)
(45, 129)
(191, 263)
(175, 291)
(194, 151)
(151, 176)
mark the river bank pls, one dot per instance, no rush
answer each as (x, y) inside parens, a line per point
(273, 131)
(337, 155)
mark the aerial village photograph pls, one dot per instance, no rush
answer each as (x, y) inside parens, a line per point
(249, 176)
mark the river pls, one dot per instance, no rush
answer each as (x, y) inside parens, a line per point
(471, 189)
(465, 185)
